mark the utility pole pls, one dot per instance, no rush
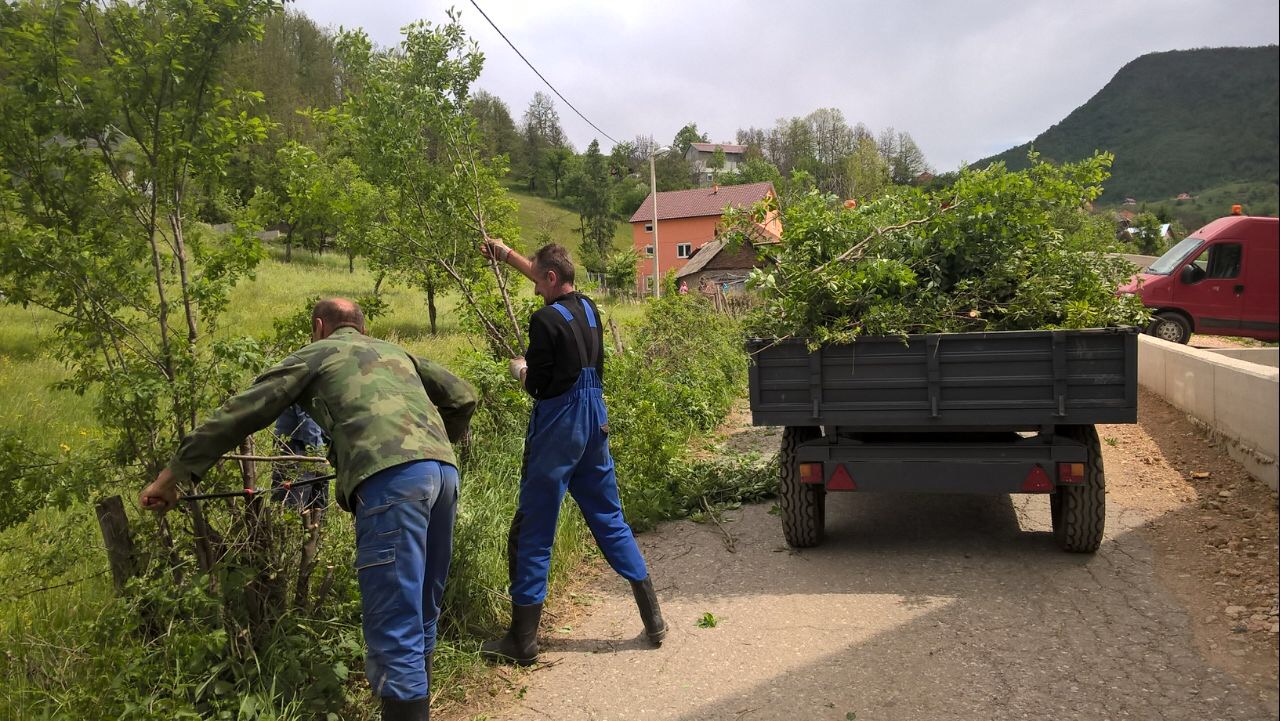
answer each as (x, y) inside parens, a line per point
(653, 192)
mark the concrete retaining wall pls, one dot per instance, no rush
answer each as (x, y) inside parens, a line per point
(1262, 356)
(1236, 401)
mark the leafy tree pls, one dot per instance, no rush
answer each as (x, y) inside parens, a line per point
(541, 133)
(1146, 234)
(595, 205)
(716, 163)
(686, 137)
(497, 129)
(907, 161)
(558, 164)
(303, 199)
(867, 174)
(410, 132)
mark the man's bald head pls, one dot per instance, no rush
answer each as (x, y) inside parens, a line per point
(331, 314)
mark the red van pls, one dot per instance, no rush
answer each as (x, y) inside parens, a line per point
(1220, 280)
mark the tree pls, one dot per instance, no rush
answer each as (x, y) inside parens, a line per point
(557, 162)
(686, 137)
(908, 160)
(595, 212)
(413, 139)
(541, 133)
(867, 175)
(493, 122)
(1146, 234)
(716, 163)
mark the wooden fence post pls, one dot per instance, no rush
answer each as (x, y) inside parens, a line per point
(115, 535)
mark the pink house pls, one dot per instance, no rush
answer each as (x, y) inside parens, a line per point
(687, 220)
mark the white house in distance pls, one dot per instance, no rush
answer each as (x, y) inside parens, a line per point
(700, 154)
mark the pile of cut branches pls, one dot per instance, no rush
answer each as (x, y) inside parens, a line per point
(997, 250)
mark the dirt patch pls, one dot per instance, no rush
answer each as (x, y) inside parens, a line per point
(1215, 533)
(1221, 341)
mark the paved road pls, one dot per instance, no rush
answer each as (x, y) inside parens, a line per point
(916, 607)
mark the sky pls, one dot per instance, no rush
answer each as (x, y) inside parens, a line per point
(966, 79)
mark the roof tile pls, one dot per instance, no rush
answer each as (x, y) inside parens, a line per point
(700, 202)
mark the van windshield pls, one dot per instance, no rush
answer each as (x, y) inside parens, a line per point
(1173, 258)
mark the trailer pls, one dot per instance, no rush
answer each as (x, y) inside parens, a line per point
(986, 413)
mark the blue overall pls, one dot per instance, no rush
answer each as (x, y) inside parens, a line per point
(404, 538)
(567, 448)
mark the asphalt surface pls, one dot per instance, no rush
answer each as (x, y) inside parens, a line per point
(915, 607)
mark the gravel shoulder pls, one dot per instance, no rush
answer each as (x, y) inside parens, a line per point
(932, 606)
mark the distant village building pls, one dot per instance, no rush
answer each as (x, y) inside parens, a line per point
(923, 178)
(1129, 201)
(687, 221)
(1184, 196)
(718, 266)
(700, 154)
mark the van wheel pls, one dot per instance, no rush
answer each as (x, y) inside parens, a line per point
(1079, 512)
(803, 505)
(1171, 327)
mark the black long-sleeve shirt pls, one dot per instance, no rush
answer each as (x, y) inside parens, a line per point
(553, 358)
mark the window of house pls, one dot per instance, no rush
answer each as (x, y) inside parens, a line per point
(648, 250)
(648, 282)
(684, 250)
(648, 227)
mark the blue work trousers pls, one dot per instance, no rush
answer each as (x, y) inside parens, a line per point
(567, 448)
(404, 539)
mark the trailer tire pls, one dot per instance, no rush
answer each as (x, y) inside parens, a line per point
(803, 505)
(1079, 511)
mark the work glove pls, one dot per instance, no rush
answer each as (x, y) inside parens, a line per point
(517, 367)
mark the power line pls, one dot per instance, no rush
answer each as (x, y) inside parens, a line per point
(548, 82)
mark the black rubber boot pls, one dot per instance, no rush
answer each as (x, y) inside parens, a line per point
(417, 710)
(647, 601)
(520, 645)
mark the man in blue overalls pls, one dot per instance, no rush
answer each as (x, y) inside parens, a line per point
(566, 448)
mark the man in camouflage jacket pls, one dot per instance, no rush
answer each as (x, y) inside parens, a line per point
(391, 419)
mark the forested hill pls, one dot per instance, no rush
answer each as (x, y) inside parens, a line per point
(1178, 122)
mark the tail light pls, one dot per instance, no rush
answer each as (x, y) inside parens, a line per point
(1071, 473)
(811, 473)
(1037, 481)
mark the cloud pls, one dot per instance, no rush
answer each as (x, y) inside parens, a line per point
(965, 79)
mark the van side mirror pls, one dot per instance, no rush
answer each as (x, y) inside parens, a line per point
(1191, 273)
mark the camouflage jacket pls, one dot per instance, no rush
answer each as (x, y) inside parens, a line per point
(379, 405)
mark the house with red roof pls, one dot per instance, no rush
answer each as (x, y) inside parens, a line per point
(687, 220)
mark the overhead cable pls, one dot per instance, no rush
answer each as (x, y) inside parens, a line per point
(540, 75)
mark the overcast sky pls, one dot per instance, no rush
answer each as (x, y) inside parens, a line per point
(966, 79)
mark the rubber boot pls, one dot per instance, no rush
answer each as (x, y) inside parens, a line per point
(396, 710)
(520, 645)
(647, 601)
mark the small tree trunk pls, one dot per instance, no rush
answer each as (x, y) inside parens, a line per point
(431, 302)
(312, 520)
(617, 337)
(351, 261)
(265, 593)
(118, 541)
(288, 245)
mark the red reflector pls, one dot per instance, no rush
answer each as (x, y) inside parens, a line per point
(811, 473)
(1071, 473)
(841, 480)
(1037, 481)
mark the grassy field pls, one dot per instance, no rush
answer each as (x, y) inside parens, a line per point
(542, 219)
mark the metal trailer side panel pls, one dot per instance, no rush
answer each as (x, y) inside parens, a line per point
(1018, 379)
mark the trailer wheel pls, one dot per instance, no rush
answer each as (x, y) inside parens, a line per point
(1079, 511)
(803, 505)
